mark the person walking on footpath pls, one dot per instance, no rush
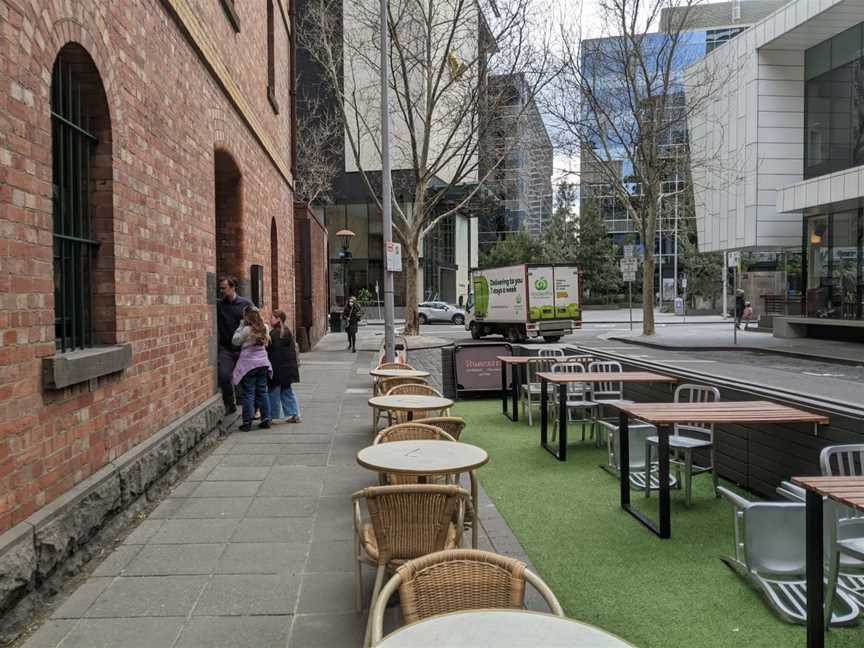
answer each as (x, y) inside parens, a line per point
(229, 314)
(739, 307)
(282, 352)
(352, 314)
(253, 369)
(747, 314)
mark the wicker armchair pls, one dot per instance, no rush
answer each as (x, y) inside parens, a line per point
(376, 382)
(405, 522)
(413, 390)
(408, 432)
(384, 386)
(452, 425)
(461, 579)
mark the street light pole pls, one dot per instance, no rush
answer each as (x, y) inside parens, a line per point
(386, 181)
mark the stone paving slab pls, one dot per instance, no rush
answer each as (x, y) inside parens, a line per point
(255, 547)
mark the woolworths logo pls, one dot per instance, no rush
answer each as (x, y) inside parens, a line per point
(541, 284)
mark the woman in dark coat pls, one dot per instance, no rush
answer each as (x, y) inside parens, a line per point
(283, 357)
(352, 314)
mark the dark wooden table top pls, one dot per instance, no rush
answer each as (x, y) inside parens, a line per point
(516, 360)
(720, 412)
(846, 490)
(605, 376)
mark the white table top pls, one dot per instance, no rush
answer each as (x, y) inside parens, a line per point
(501, 629)
(409, 402)
(422, 457)
(398, 373)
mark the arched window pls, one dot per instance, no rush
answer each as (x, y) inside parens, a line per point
(82, 203)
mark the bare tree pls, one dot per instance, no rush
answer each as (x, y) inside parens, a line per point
(620, 102)
(444, 111)
(318, 152)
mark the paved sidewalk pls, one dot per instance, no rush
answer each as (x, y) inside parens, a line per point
(254, 547)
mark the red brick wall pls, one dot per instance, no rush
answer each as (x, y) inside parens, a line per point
(310, 273)
(168, 116)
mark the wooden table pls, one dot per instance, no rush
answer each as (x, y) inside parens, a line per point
(398, 373)
(409, 403)
(428, 458)
(563, 379)
(845, 490)
(502, 629)
(666, 415)
(517, 378)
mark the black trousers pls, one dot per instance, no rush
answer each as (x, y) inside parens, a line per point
(226, 360)
(352, 337)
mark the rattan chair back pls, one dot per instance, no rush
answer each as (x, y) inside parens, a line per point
(414, 431)
(414, 389)
(387, 384)
(461, 579)
(412, 520)
(452, 425)
(394, 365)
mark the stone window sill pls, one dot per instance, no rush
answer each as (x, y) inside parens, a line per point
(231, 14)
(64, 369)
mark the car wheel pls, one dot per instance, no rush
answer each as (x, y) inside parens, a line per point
(476, 333)
(513, 335)
(458, 320)
(422, 318)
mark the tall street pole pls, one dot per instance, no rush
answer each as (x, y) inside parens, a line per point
(386, 180)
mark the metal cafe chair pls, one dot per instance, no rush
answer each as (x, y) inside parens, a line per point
(530, 393)
(770, 553)
(606, 393)
(687, 437)
(578, 399)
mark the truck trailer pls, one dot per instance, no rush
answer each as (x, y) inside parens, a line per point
(524, 301)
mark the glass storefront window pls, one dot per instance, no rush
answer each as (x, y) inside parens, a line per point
(844, 256)
(818, 262)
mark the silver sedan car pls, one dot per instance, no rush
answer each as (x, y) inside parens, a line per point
(440, 312)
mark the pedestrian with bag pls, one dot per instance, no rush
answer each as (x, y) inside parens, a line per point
(229, 315)
(282, 352)
(352, 314)
(253, 369)
(739, 307)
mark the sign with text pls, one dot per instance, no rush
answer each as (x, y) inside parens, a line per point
(477, 367)
(629, 276)
(629, 264)
(393, 252)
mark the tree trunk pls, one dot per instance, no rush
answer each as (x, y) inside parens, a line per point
(411, 264)
(648, 292)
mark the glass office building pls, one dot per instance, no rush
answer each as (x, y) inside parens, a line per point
(834, 141)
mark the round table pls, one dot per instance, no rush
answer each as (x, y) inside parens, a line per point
(410, 404)
(398, 373)
(502, 629)
(428, 458)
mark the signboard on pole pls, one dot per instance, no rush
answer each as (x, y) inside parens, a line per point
(629, 276)
(629, 251)
(629, 264)
(733, 259)
(393, 253)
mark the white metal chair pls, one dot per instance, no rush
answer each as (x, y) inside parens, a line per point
(578, 399)
(846, 540)
(530, 392)
(550, 353)
(687, 437)
(606, 393)
(642, 474)
(770, 552)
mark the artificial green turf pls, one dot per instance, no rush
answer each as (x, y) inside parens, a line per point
(605, 567)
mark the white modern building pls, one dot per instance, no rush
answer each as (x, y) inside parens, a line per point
(777, 139)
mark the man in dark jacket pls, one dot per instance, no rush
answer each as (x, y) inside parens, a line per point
(282, 352)
(229, 312)
(739, 307)
(352, 314)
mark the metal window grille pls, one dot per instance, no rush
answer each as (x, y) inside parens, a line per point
(74, 246)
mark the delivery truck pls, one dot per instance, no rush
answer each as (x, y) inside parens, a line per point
(524, 301)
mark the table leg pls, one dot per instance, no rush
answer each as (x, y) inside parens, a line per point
(663, 458)
(504, 394)
(815, 569)
(515, 378)
(544, 414)
(475, 503)
(562, 422)
(624, 458)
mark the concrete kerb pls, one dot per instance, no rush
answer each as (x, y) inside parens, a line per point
(39, 554)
